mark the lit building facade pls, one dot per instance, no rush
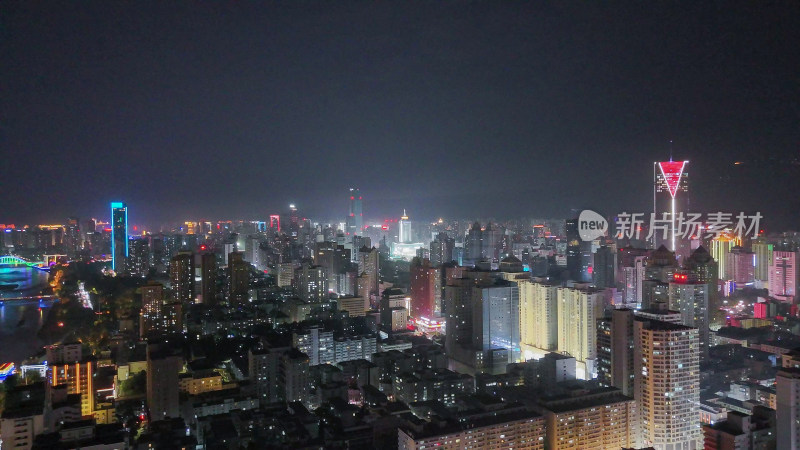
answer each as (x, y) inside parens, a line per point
(783, 276)
(119, 236)
(667, 384)
(579, 308)
(670, 198)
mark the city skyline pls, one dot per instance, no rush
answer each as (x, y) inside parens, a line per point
(250, 113)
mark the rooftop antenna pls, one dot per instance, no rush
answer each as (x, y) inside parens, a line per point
(670, 150)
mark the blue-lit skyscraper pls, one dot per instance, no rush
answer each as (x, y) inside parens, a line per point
(119, 236)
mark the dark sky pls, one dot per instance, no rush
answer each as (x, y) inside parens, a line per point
(506, 109)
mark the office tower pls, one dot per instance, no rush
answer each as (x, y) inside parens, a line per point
(578, 310)
(163, 367)
(73, 240)
(538, 316)
(579, 254)
(279, 374)
(294, 221)
(783, 276)
(208, 278)
(787, 393)
(441, 249)
(317, 343)
(336, 260)
(690, 297)
(139, 260)
(425, 288)
(79, 376)
(741, 267)
(152, 302)
(605, 267)
(496, 316)
(493, 242)
(589, 418)
(355, 216)
(404, 234)
(473, 244)
(667, 384)
(275, 223)
(181, 275)
(238, 278)
(763, 259)
(119, 236)
(670, 199)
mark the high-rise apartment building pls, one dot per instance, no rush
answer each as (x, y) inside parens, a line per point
(208, 278)
(579, 308)
(787, 390)
(538, 317)
(690, 297)
(181, 275)
(279, 374)
(163, 367)
(152, 302)
(667, 384)
(238, 278)
(139, 260)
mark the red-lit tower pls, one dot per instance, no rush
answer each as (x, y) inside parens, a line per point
(671, 197)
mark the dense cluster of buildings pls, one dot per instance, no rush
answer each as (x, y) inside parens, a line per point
(411, 335)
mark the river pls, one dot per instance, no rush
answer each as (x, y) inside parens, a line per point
(20, 321)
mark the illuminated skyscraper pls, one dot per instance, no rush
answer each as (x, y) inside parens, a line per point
(404, 235)
(294, 221)
(670, 198)
(579, 254)
(119, 236)
(355, 217)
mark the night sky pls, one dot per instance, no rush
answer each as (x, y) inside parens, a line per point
(506, 109)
